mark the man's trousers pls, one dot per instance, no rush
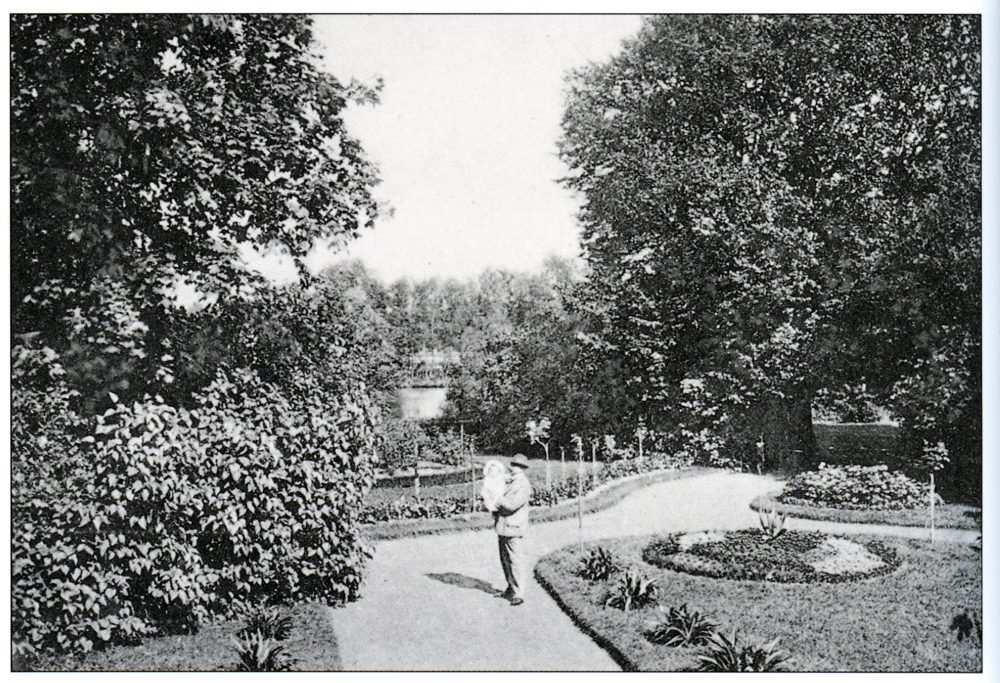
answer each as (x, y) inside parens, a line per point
(512, 561)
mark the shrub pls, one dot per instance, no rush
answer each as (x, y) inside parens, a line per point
(729, 654)
(598, 566)
(772, 522)
(256, 645)
(398, 441)
(268, 622)
(855, 488)
(257, 653)
(677, 627)
(965, 623)
(632, 592)
(171, 516)
(448, 447)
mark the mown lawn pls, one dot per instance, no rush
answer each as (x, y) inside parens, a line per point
(948, 515)
(897, 623)
(311, 643)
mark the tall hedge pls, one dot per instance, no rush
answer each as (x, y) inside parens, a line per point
(155, 518)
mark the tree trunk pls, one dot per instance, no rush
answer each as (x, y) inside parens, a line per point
(789, 442)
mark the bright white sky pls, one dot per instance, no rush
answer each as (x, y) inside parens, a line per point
(465, 134)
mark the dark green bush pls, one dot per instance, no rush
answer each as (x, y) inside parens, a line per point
(598, 566)
(257, 644)
(633, 591)
(728, 654)
(257, 653)
(678, 627)
(965, 623)
(269, 622)
(170, 516)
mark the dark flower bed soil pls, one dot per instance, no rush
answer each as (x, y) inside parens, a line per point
(794, 557)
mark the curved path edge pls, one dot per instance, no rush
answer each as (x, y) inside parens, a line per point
(616, 653)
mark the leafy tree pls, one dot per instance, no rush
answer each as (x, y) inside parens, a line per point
(776, 205)
(168, 466)
(146, 150)
(522, 357)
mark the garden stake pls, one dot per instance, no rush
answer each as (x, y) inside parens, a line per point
(474, 504)
(579, 491)
(593, 461)
(416, 470)
(932, 507)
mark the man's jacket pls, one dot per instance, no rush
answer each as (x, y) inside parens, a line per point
(512, 510)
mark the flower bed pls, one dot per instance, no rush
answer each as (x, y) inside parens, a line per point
(444, 507)
(748, 555)
(856, 488)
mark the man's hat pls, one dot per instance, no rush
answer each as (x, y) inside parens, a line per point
(519, 461)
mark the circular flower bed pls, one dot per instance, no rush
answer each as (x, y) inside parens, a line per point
(749, 555)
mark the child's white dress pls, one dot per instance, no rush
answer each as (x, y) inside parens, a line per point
(494, 482)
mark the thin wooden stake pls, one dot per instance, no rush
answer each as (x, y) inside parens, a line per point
(579, 492)
(416, 470)
(932, 507)
(593, 461)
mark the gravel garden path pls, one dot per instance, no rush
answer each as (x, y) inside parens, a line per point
(427, 605)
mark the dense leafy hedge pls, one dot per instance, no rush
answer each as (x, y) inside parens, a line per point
(856, 488)
(163, 517)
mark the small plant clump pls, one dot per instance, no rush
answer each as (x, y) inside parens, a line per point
(729, 654)
(772, 522)
(258, 646)
(856, 488)
(965, 623)
(599, 565)
(677, 627)
(633, 591)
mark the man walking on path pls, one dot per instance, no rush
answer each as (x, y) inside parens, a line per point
(511, 523)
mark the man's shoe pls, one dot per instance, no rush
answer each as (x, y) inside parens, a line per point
(506, 595)
(516, 601)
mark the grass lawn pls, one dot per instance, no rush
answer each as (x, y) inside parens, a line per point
(896, 623)
(949, 515)
(311, 643)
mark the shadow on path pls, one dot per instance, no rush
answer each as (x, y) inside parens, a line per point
(462, 581)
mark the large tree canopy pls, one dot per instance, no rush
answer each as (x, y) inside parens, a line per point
(147, 149)
(781, 204)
